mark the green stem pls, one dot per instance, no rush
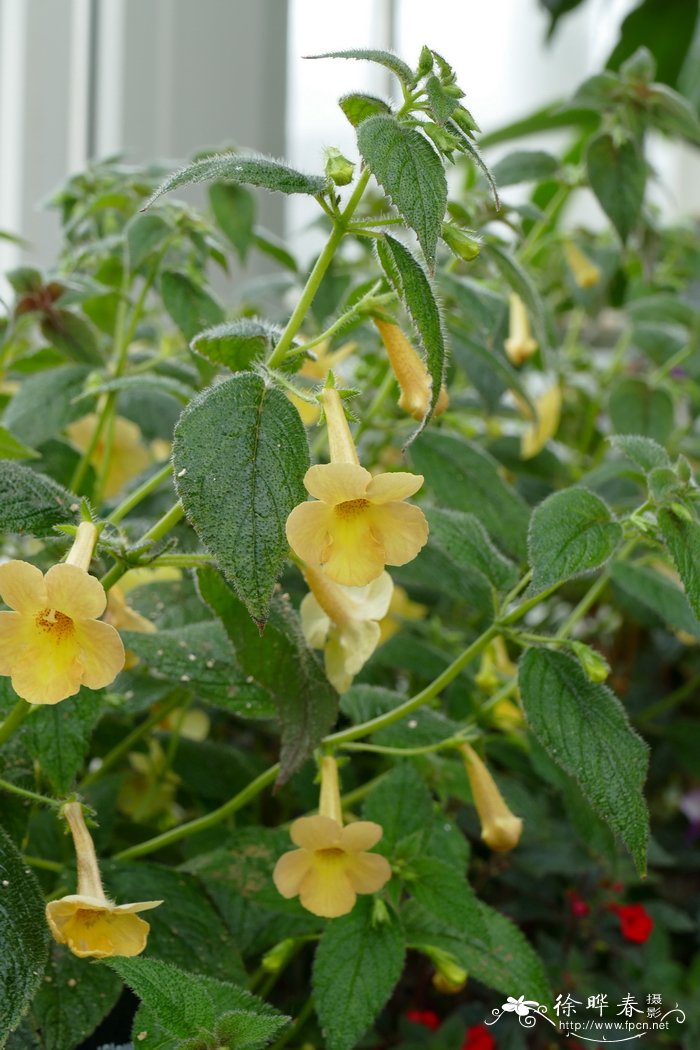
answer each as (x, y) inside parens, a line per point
(139, 494)
(316, 276)
(32, 796)
(296, 1026)
(342, 322)
(14, 720)
(46, 865)
(156, 532)
(380, 397)
(126, 745)
(380, 749)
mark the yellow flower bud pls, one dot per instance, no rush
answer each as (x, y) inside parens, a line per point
(410, 371)
(519, 345)
(500, 829)
(585, 273)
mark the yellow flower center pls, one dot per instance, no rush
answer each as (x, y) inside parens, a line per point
(55, 623)
(87, 916)
(351, 508)
(332, 853)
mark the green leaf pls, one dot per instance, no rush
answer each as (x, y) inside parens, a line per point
(24, 936)
(637, 408)
(189, 305)
(441, 104)
(11, 448)
(643, 451)
(464, 477)
(446, 895)
(72, 1000)
(145, 235)
(31, 502)
(56, 390)
(237, 344)
(358, 107)
(382, 58)
(465, 542)
(73, 335)
(673, 114)
(584, 728)
(58, 737)
(617, 175)
(401, 803)
(555, 115)
(683, 540)
(282, 662)
(234, 211)
(240, 454)
(410, 172)
(411, 284)
(524, 166)
(656, 592)
(571, 532)
(666, 27)
(358, 962)
(186, 930)
(252, 170)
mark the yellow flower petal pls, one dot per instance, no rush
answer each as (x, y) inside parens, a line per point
(326, 889)
(361, 835)
(48, 669)
(290, 871)
(334, 483)
(314, 622)
(101, 652)
(356, 555)
(13, 638)
(308, 531)
(22, 586)
(97, 931)
(367, 872)
(74, 592)
(335, 664)
(400, 529)
(358, 641)
(315, 832)
(396, 486)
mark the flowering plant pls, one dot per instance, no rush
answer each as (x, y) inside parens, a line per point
(417, 611)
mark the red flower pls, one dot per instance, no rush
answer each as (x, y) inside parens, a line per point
(479, 1038)
(636, 923)
(577, 905)
(428, 1018)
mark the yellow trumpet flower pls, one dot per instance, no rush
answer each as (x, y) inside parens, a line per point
(87, 922)
(410, 371)
(331, 865)
(51, 642)
(500, 829)
(584, 272)
(519, 345)
(360, 523)
(545, 426)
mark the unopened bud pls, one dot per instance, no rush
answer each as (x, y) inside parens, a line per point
(425, 62)
(585, 272)
(380, 912)
(519, 345)
(277, 958)
(449, 977)
(442, 139)
(594, 663)
(464, 120)
(338, 168)
(463, 243)
(500, 829)
(684, 469)
(410, 371)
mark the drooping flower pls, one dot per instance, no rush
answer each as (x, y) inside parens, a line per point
(410, 371)
(129, 456)
(331, 865)
(584, 272)
(51, 642)
(519, 345)
(359, 523)
(449, 977)
(402, 609)
(636, 924)
(500, 829)
(478, 1037)
(544, 427)
(343, 621)
(87, 922)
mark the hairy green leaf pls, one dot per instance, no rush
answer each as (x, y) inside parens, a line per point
(31, 502)
(73, 335)
(72, 1000)
(358, 107)
(683, 540)
(524, 166)
(382, 58)
(145, 235)
(249, 169)
(585, 729)
(571, 532)
(58, 736)
(465, 542)
(237, 344)
(617, 174)
(446, 895)
(637, 408)
(190, 306)
(656, 592)
(234, 211)
(643, 451)
(55, 389)
(401, 803)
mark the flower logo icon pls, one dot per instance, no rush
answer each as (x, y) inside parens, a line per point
(521, 1006)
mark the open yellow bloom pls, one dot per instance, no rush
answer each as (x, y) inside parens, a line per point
(519, 345)
(87, 922)
(500, 829)
(584, 272)
(331, 866)
(536, 436)
(343, 621)
(410, 371)
(360, 523)
(129, 456)
(52, 642)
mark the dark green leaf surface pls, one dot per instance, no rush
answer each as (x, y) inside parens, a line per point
(145, 235)
(447, 896)
(236, 344)
(401, 803)
(283, 663)
(58, 736)
(617, 175)
(643, 451)
(251, 170)
(411, 284)
(31, 502)
(683, 540)
(637, 408)
(190, 306)
(356, 967)
(73, 335)
(585, 729)
(234, 211)
(12, 448)
(657, 593)
(72, 999)
(410, 172)
(571, 532)
(524, 166)
(464, 540)
(382, 58)
(358, 107)
(240, 455)
(55, 390)
(24, 936)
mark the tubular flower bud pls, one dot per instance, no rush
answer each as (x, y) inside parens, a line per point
(359, 523)
(465, 244)
(449, 977)
(519, 345)
(343, 621)
(87, 922)
(584, 272)
(338, 168)
(500, 829)
(51, 642)
(331, 865)
(410, 371)
(545, 426)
